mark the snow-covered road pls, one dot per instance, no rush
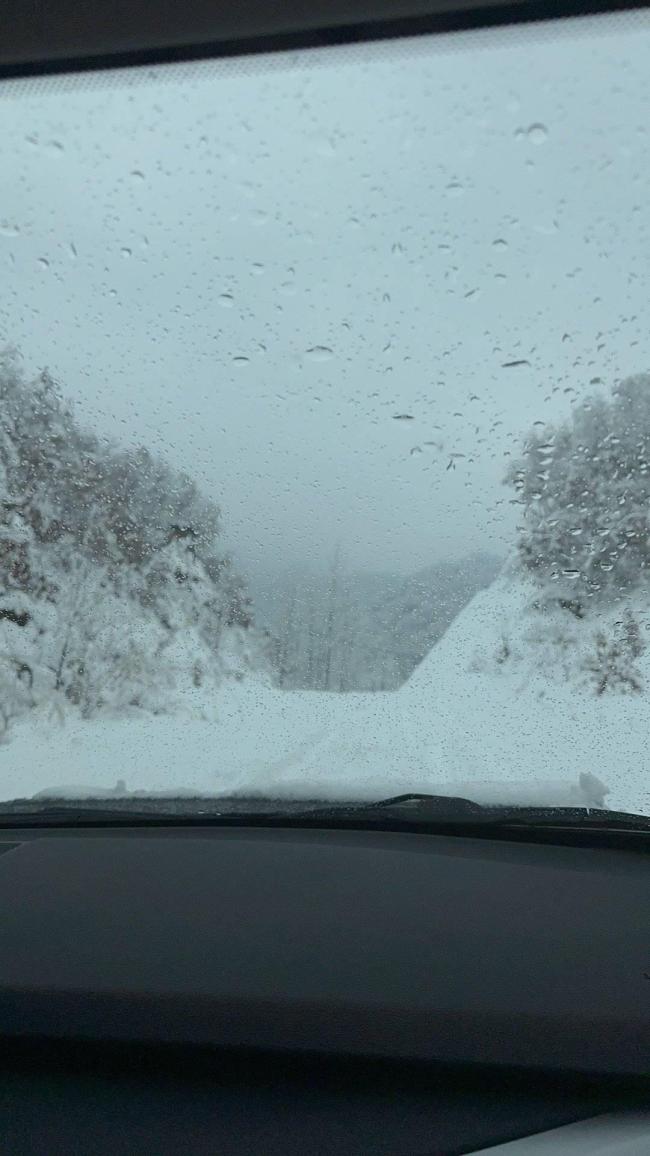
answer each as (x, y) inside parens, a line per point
(461, 724)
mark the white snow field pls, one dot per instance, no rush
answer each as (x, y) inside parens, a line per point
(488, 715)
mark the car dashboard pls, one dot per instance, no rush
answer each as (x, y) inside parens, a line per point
(280, 989)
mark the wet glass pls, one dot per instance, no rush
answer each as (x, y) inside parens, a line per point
(325, 426)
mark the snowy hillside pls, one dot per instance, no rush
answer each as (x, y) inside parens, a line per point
(510, 694)
(116, 594)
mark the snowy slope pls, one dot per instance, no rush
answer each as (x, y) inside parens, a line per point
(511, 699)
(468, 718)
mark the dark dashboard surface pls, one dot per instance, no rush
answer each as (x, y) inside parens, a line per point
(119, 1101)
(374, 943)
(247, 990)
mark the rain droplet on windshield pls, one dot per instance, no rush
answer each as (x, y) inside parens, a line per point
(319, 353)
(537, 133)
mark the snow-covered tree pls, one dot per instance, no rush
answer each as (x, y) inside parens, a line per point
(114, 592)
(584, 487)
(23, 585)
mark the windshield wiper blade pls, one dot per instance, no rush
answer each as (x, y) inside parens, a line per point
(409, 806)
(424, 807)
(420, 813)
(448, 812)
(69, 814)
(152, 809)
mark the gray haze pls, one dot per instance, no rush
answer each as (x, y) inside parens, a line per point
(256, 268)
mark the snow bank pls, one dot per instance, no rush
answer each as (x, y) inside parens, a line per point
(483, 717)
(501, 698)
(261, 741)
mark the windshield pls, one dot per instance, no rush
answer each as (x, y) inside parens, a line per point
(325, 423)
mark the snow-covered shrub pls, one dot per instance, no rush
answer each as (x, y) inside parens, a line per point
(611, 665)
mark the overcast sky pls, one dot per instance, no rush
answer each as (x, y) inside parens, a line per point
(255, 267)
